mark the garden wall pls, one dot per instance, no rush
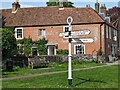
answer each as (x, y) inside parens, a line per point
(63, 58)
(23, 61)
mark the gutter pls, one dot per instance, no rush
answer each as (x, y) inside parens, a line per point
(54, 24)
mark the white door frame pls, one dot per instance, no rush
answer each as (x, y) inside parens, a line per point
(48, 49)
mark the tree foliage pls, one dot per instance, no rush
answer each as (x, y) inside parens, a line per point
(56, 3)
(9, 46)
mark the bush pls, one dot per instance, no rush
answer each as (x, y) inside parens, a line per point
(9, 46)
(99, 52)
(63, 52)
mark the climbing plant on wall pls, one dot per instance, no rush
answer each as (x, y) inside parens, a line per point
(28, 43)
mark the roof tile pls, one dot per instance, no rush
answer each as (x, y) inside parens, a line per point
(49, 16)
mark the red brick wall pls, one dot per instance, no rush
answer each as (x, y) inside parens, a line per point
(52, 35)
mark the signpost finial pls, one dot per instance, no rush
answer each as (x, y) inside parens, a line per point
(69, 20)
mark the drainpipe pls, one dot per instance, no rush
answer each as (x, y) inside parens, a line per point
(100, 38)
(105, 41)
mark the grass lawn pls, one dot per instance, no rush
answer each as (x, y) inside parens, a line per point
(52, 68)
(103, 77)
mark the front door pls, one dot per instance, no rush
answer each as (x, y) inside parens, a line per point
(51, 50)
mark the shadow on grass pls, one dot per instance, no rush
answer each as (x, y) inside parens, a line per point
(88, 80)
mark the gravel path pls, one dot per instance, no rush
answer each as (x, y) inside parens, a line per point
(49, 73)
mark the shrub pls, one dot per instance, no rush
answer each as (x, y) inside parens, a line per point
(9, 46)
(63, 52)
(99, 52)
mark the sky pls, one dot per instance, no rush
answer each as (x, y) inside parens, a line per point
(5, 4)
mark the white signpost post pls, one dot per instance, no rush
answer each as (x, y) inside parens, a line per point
(69, 21)
(69, 35)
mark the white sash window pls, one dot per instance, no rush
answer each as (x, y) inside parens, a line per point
(19, 33)
(79, 49)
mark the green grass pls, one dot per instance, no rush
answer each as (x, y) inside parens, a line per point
(52, 68)
(104, 77)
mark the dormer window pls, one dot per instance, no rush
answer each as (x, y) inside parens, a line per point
(19, 33)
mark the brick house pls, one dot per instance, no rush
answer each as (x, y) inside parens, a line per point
(114, 14)
(49, 22)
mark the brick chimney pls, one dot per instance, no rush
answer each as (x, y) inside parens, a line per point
(61, 3)
(103, 9)
(15, 6)
(97, 6)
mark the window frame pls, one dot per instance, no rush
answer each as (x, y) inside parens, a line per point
(41, 32)
(79, 45)
(110, 29)
(16, 34)
(107, 31)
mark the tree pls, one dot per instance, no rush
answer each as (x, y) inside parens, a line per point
(9, 46)
(66, 3)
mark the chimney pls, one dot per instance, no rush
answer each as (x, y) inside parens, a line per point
(97, 6)
(87, 6)
(61, 3)
(15, 6)
(103, 9)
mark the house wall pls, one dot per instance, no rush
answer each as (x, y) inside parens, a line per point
(110, 43)
(97, 33)
(52, 35)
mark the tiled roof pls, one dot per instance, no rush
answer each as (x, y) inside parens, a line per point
(49, 16)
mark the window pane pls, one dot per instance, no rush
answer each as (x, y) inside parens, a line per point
(19, 30)
(107, 31)
(19, 33)
(66, 29)
(42, 32)
(79, 49)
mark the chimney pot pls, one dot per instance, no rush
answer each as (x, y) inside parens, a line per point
(15, 6)
(97, 6)
(103, 9)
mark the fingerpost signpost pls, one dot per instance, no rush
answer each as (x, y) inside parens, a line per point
(69, 35)
(69, 21)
